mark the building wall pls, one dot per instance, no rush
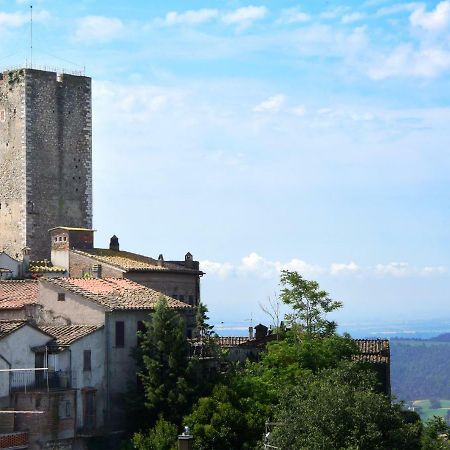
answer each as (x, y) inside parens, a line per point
(16, 349)
(57, 421)
(121, 365)
(95, 378)
(12, 163)
(45, 158)
(6, 262)
(75, 309)
(80, 264)
(171, 283)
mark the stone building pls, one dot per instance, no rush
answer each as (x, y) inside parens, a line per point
(73, 250)
(45, 157)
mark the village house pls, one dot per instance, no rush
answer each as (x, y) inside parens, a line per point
(73, 249)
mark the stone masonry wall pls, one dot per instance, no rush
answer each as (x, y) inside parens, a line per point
(12, 163)
(45, 158)
(59, 155)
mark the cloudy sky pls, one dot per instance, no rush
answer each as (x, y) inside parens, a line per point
(312, 136)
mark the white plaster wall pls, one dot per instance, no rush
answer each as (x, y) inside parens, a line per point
(95, 378)
(75, 308)
(6, 262)
(16, 349)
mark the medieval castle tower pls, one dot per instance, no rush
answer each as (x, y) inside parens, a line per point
(45, 157)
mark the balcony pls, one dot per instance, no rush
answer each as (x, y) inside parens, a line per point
(39, 380)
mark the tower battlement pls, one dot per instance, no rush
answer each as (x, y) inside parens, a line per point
(45, 157)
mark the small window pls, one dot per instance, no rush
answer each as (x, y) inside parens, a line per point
(60, 238)
(87, 360)
(120, 334)
(61, 296)
(65, 238)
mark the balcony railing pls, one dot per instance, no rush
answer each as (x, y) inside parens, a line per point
(38, 380)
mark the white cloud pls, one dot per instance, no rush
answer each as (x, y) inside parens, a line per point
(352, 17)
(257, 265)
(435, 20)
(403, 269)
(397, 8)
(221, 270)
(14, 20)
(191, 17)
(98, 29)
(293, 15)
(405, 61)
(343, 269)
(271, 105)
(244, 17)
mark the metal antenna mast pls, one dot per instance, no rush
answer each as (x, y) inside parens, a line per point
(31, 36)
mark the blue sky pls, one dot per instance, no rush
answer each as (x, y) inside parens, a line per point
(312, 136)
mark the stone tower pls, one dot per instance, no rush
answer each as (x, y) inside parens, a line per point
(45, 158)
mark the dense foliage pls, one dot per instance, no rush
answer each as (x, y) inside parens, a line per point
(340, 409)
(166, 372)
(305, 384)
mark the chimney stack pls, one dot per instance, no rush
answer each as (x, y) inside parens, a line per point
(25, 259)
(114, 244)
(161, 260)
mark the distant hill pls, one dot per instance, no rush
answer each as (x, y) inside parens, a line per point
(420, 369)
(441, 338)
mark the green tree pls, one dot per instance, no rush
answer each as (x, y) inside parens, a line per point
(310, 305)
(338, 409)
(436, 435)
(166, 370)
(163, 436)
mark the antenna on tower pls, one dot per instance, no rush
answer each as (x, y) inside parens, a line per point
(31, 36)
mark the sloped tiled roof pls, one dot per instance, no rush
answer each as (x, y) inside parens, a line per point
(132, 262)
(115, 293)
(8, 326)
(373, 350)
(15, 294)
(67, 334)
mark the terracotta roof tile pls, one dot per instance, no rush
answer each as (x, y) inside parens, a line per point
(8, 326)
(132, 262)
(115, 293)
(15, 294)
(67, 334)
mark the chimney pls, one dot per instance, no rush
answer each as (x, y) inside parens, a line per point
(188, 260)
(26, 259)
(114, 244)
(97, 270)
(161, 260)
(185, 440)
(250, 332)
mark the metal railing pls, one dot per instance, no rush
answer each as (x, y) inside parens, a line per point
(24, 380)
(27, 65)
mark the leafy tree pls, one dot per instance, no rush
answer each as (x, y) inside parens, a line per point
(232, 417)
(163, 436)
(165, 366)
(436, 435)
(339, 408)
(310, 305)
(207, 345)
